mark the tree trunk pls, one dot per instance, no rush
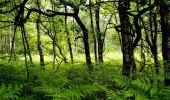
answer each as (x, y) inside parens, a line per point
(85, 40)
(27, 44)
(143, 59)
(153, 38)
(127, 41)
(25, 53)
(42, 65)
(165, 26)
(75, 40)
(54, 52)
(155, 47)
(12, 51)
(68, 38)
(93, 32)
(2, 45)
(99, 34)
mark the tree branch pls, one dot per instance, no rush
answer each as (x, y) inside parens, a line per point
(53, 13)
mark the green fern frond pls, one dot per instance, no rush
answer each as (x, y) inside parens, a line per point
(143, 84)
(8, 92)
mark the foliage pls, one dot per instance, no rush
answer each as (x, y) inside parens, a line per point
(8, 92)
(76, 82)
(66, 25)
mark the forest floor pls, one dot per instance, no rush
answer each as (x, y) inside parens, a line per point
(76, 82)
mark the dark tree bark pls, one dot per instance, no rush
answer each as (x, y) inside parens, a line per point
(18, 21)
(27, 44)
(143, 58)
(93, 32)
(85, 40)
(153, 35)
(151, 40)
(165, 26)
(80, 23)
(12, 51)
(99, 34)
(54, 53)
(25, 53)
(68, 38)
(1, 45)
(155, 47)
(127, 41)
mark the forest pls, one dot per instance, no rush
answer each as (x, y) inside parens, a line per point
(84, 49)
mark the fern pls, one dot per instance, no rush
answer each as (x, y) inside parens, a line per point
(73, 92)
(142, 83)
(165, 93)
(8, 92)
(125, 88)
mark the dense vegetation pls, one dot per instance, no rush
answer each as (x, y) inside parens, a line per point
(84, 50)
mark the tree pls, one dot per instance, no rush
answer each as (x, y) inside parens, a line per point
(68, 37)
(39, 45)
(127, 47)
(165, 27)
(98, 32)
(93, 31)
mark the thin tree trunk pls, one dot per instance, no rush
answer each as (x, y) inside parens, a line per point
(25, 54)
(2, 45)
(68, 38)
(153, 38)
(27, 44)
(155, 47)
(61, 53)
(42, 65)
(75, 40)
(143, 59)
(12, 51)
(99, 34)
(54, 39)
(93, 32)
(54, 52)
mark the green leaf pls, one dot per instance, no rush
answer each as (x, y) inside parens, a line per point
(2, 89)
(153, 91)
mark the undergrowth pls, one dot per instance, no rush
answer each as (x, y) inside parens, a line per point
(75, 82)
